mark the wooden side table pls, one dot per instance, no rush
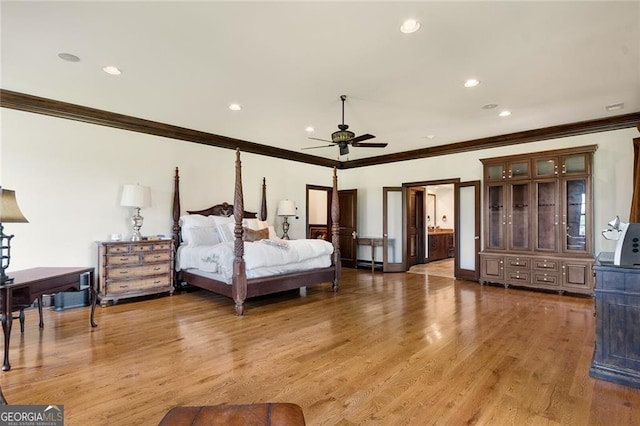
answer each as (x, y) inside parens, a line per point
(373, 242)
(30, 284)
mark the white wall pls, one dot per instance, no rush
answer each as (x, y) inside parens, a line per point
(612, 179)
(68, 177)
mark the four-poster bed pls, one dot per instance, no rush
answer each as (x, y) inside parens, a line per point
(322, 266)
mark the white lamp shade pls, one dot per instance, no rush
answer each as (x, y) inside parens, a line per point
(136, 196)
(286, 208)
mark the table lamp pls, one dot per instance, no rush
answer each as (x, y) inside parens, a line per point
(136, 196)
(286, 208)
(9, 213)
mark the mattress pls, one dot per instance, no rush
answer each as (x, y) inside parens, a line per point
(262, 258)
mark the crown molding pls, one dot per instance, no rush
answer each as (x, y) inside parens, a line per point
(38, 105)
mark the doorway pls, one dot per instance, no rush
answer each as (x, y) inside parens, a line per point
(455, 231)
(430, 216)
(318, 219)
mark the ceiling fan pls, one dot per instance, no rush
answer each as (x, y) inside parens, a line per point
(344, 137)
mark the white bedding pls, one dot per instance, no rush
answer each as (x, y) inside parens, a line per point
(262, 258)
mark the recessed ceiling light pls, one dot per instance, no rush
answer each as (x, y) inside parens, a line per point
(235, 107)
(68, 57)
(472, 82)
(309, 129)
(615, 107)
(504, 113)
(410, 26)
(110, 69)
(489, 106)
(430, 136)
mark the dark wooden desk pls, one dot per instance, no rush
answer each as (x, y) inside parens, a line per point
(30, 284)
(373, 242)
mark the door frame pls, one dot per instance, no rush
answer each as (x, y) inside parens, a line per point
(329, 190)
(397, 266)
(467, 274)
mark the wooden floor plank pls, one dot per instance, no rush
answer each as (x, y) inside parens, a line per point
(389, 349)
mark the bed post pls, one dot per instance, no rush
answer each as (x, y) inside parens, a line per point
(335, 230)
(176, 211)
(263, 207)
(239, 280)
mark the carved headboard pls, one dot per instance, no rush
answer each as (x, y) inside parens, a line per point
(224, 209)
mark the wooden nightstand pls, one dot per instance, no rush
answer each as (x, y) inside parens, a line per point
(134, 268)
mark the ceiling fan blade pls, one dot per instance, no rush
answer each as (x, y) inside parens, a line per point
(323, 140)
(321, 146)
(360, 138)
(370, 145)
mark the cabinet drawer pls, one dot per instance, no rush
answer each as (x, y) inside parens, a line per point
(546, 279)
(162, 246)
(142, 248)
(133, 285)
(124, 259)
(545, 265)
(519, 262)
(517, 276)
(118, 248)
(156, 256)
(162, 268)
(137, 271)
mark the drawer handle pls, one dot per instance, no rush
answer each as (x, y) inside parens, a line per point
(123, 286)
(157, 282)
(157, 268)
(124, 272)
(157, 256)
(124, 259)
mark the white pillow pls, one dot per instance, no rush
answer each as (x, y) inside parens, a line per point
(222, 220)
(192, 220)
(225, 231)
(272, 233)
(202, 236)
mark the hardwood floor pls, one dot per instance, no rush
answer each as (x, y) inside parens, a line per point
(388, 349)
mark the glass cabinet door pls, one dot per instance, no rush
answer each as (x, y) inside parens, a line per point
(575, 164)
(520, 217)
(496, 217)
(519, 170)
(547, 167)
(495, 172)
(577, 218)
(546, 196)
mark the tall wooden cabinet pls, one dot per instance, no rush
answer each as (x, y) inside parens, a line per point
(538, 220)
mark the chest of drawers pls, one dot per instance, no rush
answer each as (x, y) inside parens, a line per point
(134, 268)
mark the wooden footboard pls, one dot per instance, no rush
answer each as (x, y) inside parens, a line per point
(241, 288)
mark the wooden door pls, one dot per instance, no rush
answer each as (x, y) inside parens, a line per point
(415, 225)
(348, 199)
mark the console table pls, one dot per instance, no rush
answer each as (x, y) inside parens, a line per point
(29, 285)
(373, 242)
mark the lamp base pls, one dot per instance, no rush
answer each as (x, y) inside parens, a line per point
(136, 221)
(285, 229)
(5, 280)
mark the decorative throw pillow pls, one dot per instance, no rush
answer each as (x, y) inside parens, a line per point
(255, 235)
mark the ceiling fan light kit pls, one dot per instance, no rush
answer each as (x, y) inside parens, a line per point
(344, 137)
